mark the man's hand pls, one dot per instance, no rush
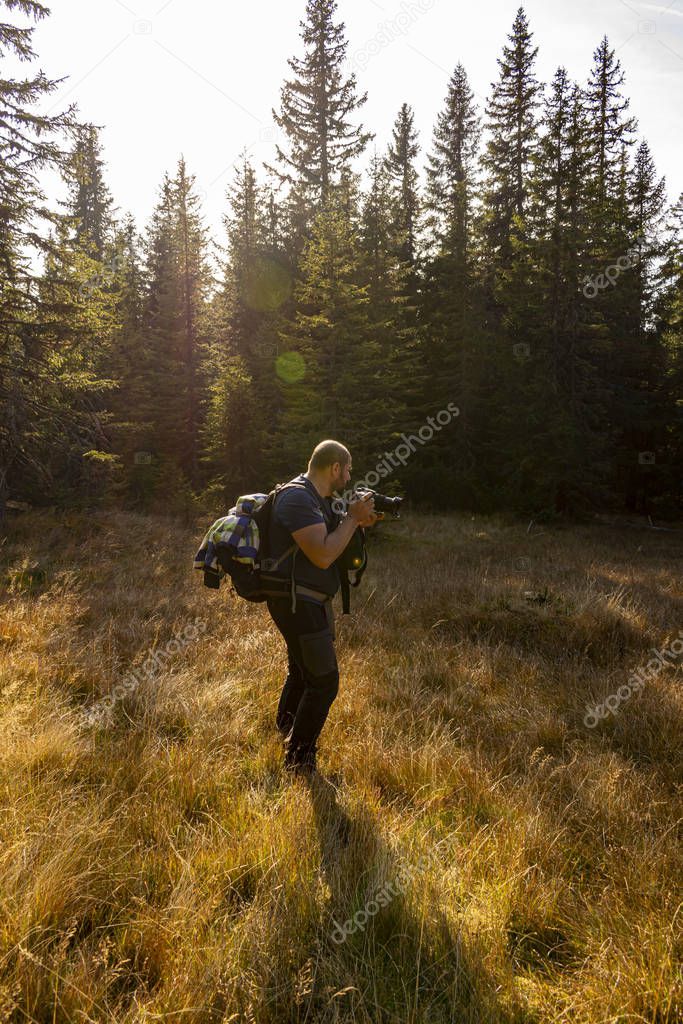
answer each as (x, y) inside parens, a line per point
(363, 510)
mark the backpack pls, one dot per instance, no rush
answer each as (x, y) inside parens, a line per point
(236, 545)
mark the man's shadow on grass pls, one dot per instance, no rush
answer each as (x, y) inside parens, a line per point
(415, 969)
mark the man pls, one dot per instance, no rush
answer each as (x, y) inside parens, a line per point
(303, 516)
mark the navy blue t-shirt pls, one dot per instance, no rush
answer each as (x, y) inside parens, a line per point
(294, 509)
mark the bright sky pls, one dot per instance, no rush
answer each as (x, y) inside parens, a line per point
(199, 77)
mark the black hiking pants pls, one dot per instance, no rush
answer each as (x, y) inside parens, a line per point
(313, 676)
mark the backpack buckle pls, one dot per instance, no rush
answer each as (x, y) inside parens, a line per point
(269, 564)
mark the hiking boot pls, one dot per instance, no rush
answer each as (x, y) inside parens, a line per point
(300, 757)
(307, 759)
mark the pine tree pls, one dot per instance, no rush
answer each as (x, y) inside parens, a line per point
(639, 415)
(507, 265)
(317, 109)
(336, 367)
(375, 236)
(450, 305)
(89, 199)
(127, 361)
(405, 201)
(512, 122)
(647, 199)
(451, 169)
(610, 135)
(175, 322)
(160, 317)
(244, 397)
(383, 272)
(90, 259)
(670, 327)
(36, 403)
(391, 313)
(610, 129)
(68, 442)
(615, 306)
(89, 212)
(565, 394)
(257, 282)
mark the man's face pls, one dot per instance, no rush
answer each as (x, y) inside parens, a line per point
(341, 474)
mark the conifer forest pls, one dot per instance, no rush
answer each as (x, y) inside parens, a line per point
(530, 278)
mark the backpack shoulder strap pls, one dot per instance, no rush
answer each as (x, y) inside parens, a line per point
(271, 565)
(308, 486)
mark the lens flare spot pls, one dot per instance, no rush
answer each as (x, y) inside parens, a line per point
(290, 367)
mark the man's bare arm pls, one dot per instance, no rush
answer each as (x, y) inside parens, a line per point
(321, 547)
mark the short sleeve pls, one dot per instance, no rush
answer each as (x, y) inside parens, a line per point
(296, 509)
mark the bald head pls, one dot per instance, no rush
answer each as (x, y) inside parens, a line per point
(326, 454)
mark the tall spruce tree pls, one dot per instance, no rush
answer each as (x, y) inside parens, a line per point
(647, 198)
(511, 123)
(451, 171)
(512, 117)
(127, 362)
(175, 321)
(254, 294)
(614, 305)
(317, 109)
(90, 214)
(404, 185)
(89, 199)
(69, 445)
(44, 384)
(670, 326)
(451, 313)
(610, 128)
(248, 285)
(391, 314)
(330, 388)
(564, 391)
(196, 280)
(640, 415)
(610, 134)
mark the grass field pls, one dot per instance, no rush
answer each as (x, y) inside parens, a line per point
(495, 859)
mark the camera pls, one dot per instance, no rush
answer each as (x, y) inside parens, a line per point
(353, 560)
(384, 505)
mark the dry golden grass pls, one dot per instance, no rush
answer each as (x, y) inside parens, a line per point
(163, 867)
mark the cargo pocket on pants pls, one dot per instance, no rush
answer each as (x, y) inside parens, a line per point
(317, 652)
(329, 615)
